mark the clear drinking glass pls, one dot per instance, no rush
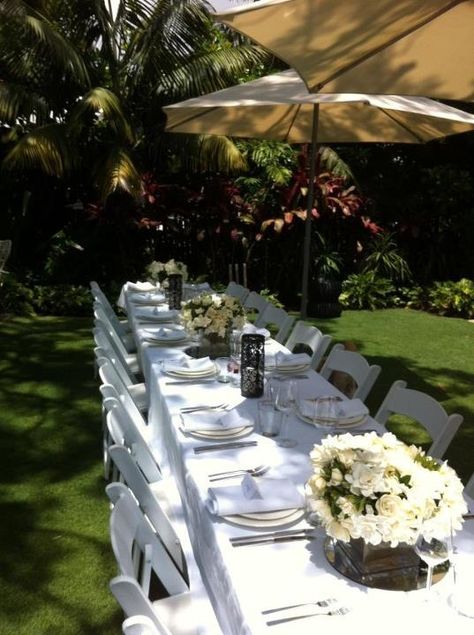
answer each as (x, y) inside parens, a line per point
(269, 419)
(433, 552)
(285, 402)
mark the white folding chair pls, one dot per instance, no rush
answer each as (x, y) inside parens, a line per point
(305, 338)
(277, 316)
(142, 625)
(5, 249)
(124, 430)
(425, 410)
(237, 291)
(109, 375)
(255, 301)
(129, 361)
(121, 326)
(353, 364)
(151, 498)
(125, 341)
(469, 487)
(147, 570)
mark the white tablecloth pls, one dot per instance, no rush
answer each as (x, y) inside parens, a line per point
(242, 582)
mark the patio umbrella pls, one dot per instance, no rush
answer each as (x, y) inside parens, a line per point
(371, 46)
(404, 47)
(280, 107)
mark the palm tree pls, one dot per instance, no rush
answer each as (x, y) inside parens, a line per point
(82, 84)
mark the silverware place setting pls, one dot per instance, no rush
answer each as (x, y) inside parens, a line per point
(329, 606)
(259, 470)
(204, 408)
(286, 535)
(224, 446)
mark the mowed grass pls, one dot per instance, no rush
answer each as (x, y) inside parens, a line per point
(431, 353)
(56, 561)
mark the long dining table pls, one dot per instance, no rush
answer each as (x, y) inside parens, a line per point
(246, 584)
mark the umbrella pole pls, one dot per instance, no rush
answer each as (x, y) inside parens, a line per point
(309, 208)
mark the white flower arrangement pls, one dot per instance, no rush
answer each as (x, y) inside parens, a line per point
(158, 271)
(213, 314)
(382, 490)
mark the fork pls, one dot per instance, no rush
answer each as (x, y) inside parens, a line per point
(341, 610)
(190, 409)
(326, 603)
(253, 471)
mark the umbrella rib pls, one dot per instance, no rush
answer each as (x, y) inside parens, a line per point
(402, 125)
(190, 118)
(317, 88)
(297, 112)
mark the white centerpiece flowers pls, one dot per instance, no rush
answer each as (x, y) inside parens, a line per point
(213, 315)
(158, 271)
(382, 490)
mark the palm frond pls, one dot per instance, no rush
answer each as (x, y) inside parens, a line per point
(201, 153)
(45, 148)
(118, 172)
(16, 100)
(332, 162)
(103, 101)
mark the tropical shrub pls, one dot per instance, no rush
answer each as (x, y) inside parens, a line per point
(366, 291)
(452, 298)
(15, 297)
(19, 298)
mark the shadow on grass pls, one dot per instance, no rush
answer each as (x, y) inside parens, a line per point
(53, 509)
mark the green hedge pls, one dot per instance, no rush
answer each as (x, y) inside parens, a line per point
(18, 298)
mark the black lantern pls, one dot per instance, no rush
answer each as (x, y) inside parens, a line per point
(175, 290)
(252, 365)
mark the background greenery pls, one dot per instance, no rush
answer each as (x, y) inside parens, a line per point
(55, 556)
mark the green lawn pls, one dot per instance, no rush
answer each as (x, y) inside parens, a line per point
(55, 555)
(55, 560)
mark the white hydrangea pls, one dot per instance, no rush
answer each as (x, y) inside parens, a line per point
(213, 314)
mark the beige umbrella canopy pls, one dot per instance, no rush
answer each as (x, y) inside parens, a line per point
(407, 47)
(280, 107)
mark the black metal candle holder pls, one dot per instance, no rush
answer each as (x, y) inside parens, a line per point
(175, 290)
(252, 365)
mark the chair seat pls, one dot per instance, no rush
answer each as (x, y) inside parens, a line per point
(139, 395)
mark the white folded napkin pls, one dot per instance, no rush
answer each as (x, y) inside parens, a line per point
(165, 334)
(213, 421)
(148, 297)
(287, 360)
(253, 496)
(251, 328)
(344, 411)
(184, 363)
(132, 287)
(157, 314)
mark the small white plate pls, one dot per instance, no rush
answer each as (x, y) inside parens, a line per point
(333, 423)
(193, 374)
(267, 519)
(288, 369)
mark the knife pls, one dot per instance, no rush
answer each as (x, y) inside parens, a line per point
(276, 534)
(264, 541)
(190, 382)
(223, 446)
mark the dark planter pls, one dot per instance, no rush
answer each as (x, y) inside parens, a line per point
(325, 303)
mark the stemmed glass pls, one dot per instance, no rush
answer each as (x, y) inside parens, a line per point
(285, 402)
(433, 552)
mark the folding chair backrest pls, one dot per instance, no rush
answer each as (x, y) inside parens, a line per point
(277, 316)
(353, 364)
(103, 339)
(139, 551)
(109, 375)
(133, 601)
(100, 297)
(136, 480)
(5, 249)
(255, 301)
(237, 290)
(305, 338)
(425, 410)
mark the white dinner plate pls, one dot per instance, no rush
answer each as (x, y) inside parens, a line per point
(267, 519)
(171, 337)
(211, 372)
(220, 434)
(354, 422)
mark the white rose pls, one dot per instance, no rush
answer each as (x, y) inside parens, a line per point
(388, 505)
(336, 530)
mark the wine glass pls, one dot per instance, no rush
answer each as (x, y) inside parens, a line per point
(432, 551)
(285, 402)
